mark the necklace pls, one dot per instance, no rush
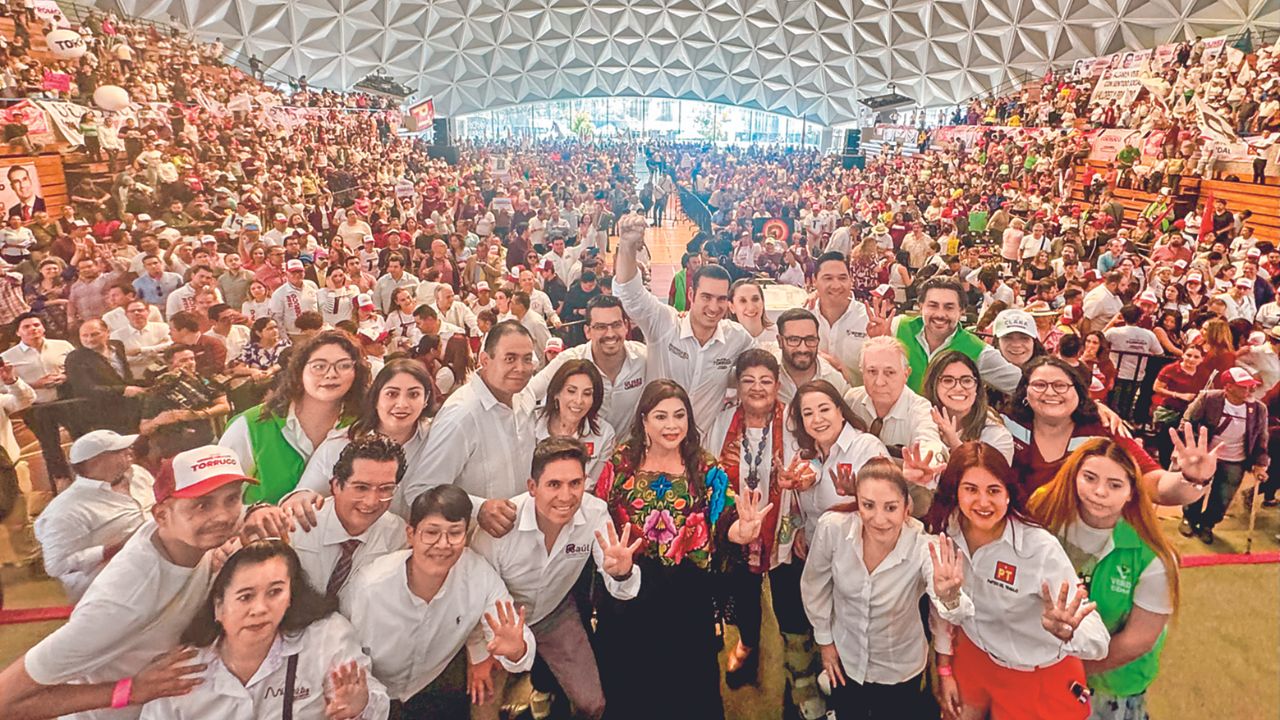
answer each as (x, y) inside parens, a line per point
(753, 467)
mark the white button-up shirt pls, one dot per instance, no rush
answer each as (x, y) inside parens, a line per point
(844, 338)
(478, 444)
(908, 422)
(144, 346)
(135, 610)
(853, 448)
(704, 371)
(319, 548)
(539, 580)
(234, 341)
(116, 319)
(15, 397)
(825, 371)
(83, 520)
(1003, 579)
(621, 396)
(324, 645)
(872, 616)
(319, 470)
(411, 640)
(288, 302)
(33, 364)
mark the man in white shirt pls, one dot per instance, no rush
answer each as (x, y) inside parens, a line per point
(41, 363)
(841, 241)
(226, 329)
(394, 278)
(482, 438)
(532, 322)
(1240, 300)
(454, 312)
(184, 298)
(143, 338)
(621, 363)
(539, 301)
(415, 609)
(134, 613)
(279, 229)
(118, 298)
(561, 260)
(296, 296)
(89, 522)
(1102, 304)
(798, 341)
(696, 351)
(1035, 243)
(1131, 368)
(558, 527)
(844, 322)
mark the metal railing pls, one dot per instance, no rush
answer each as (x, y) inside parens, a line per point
(695, 209)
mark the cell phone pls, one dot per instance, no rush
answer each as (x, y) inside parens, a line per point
(1080, 692)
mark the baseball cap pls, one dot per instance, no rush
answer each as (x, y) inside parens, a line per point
(482, 285)
(1014, 321)
(1195, 277)
(1149, 296)
(280, 216)
(883, 290)
(1257, 338)
(198, 472)
(143, 217)
(548, 265)
(1093, 275)
(1244, 282)
(1253, 254)
(208, 239)
(554, 343)
(91, 445)
(363, 301)
(1069, 314)
(1240, 376)
(1181, 264)
(294, 265)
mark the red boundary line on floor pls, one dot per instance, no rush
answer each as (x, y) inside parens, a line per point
(39, 614)
(1262, 558)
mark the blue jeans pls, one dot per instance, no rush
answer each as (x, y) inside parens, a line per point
(1202, 515)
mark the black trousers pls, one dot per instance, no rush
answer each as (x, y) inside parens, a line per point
(444, 699)
(871, 701)
(45, 423)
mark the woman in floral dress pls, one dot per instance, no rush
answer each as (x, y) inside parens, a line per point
(658, 651)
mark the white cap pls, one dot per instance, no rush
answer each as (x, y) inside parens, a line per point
(93, 444)
(884, 290)
(482, 285)
(294, 265)
(198, 472)
(554, 343)
(1240, 376)
(364, 301)
(1245, 283)
(1014, 321)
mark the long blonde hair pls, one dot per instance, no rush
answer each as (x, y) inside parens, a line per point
(1057, 505)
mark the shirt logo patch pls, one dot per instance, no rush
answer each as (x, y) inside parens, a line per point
(678, 352)
(633, 384)
(723, 363)
(1006, 573)
(572, 549)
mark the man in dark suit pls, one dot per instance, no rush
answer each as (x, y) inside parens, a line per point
(1238, 426)
(98, 373)
(24, 187)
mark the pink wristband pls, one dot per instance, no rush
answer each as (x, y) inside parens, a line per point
(122, 693)
(945, 671)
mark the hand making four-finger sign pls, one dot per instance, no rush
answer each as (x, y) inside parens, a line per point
(798, 475)
(1061, 617)
(948, 573)
(617, 553)
(508, 631)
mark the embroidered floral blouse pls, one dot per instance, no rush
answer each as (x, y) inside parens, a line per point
(676, 520)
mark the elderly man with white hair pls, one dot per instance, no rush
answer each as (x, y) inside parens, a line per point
(454, 312)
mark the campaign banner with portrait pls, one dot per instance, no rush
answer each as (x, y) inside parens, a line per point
(1105, 145)
(20, 191)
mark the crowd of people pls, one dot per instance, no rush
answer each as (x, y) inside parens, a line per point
(326, 392)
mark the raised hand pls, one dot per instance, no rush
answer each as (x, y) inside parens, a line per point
(480, 681)
(917, 468)
(948, 573)
(948, 426)
(750, 518)
(347, 693)
(508, 631)
(617, 553)
(301, 507)
(799, 475)
(268, 521)
(1196, 459)
(844, 479)
(879, 321)
(631, 229)
(170, 675)
(1061, 618)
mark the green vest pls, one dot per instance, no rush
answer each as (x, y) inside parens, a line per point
(679, 296)
(277, 466)
(963, 340)
(1114, 581)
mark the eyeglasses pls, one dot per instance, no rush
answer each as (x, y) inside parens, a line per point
(431, 536)
(603, 327)
(794, 341)
(968, 382)
(383, 492)
(322, 367)
(1040, 387)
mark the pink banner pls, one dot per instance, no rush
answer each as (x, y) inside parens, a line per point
(61, 82)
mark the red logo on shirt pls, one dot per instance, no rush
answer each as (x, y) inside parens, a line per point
(1006, 573)
(845, 468)
(591, 449)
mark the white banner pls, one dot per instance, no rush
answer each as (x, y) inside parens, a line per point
(1121, 84)
(48, 11)
(66, 117)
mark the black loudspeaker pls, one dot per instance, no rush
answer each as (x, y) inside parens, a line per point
(853, 142)
(448, 152)
(853, 161)
(441, 128)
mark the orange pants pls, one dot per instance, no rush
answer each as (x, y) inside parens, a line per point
(1042, 694)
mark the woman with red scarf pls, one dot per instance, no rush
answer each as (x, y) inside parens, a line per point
(747, 440)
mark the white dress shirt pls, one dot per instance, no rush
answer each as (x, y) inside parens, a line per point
(825, 371)
(478, 444)
(320, 547)
(116, 319)
(184, 299)
(621, 396)
(872, 616)
(1100, 305)
(236, 439)
(324, 645)
(319, 470)
(704, 371)
(844, 338)
(33, 364)
(908, 422)
(1003, 579)
(76, 528)
(16, 397)
(234, 340)
(411, 640)
(539, 580)
(853, 448)
(142, 347)
(135, 610)
(600, 445)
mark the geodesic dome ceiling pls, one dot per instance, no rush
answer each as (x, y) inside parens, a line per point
(805, 58)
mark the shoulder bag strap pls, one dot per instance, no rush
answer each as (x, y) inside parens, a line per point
(290, 677)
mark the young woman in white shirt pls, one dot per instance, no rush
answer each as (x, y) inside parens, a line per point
(273, 647)
(572, 409)
(337, 299)
(747, 301)
(868, 567)
(1106, 520)
(400, 322)
(259, 303)
(1018, 655)
(953, 386)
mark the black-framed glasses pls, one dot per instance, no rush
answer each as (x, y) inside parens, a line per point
(794, 341)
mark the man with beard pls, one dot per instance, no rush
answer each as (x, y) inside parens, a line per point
(798, 350)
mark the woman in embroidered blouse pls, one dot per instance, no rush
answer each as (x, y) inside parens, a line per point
(260, 358)
(658, 652)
